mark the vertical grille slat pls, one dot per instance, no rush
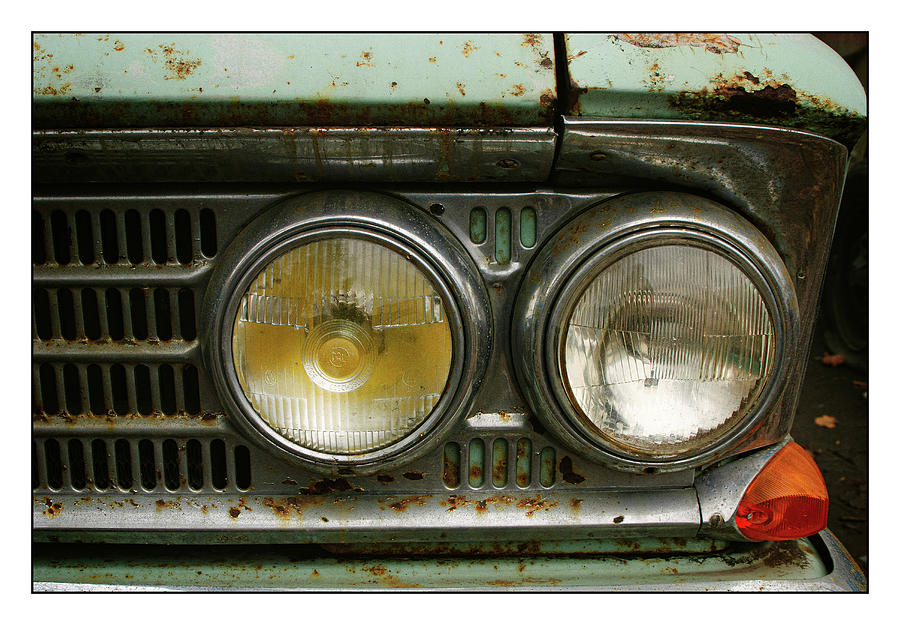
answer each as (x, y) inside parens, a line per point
(88, 451)
(171, 238)
(41, 461)
(121, 239)
(64, 464)
(131, 384)
(206, 464)
(108, 399)
(97, 236)
(53, 305)
(230, 467)
(78, 314)
(155, 397)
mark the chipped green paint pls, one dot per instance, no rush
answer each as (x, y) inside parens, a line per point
(299, 567)
(478, 225)
(503, 235)
(476, 463)
(184, 80)
(792, 80)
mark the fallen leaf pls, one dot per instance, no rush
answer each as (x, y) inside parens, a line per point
(832, 360)
(826, 421)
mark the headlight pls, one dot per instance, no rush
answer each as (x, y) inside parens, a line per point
(348, 330)
(658, 324)
(667, 349)
(342, 346)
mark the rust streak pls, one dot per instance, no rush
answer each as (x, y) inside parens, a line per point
(717, 43)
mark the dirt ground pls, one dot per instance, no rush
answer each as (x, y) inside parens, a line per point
(842, 452)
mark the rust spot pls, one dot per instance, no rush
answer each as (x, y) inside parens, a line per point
(315, 573)
(178, 67)
(53, 508)
(402, 504)
(432, 59)
(532, 39)
(576, 504)
(234, 512)
(534, 504)
(365, 59)
(474, 473)
(468, 48)
(547, 62)
(762, 98)
(386, 578)
(119, 46)
(413, 475)
(499, 472)
(287, 506)
(393, 86)
(162, 504)
(568, 474)
(618, 519)
(548, 581)
(460, 86)
(327, 486)
(717, 43)
(504, 416)
(517, 90)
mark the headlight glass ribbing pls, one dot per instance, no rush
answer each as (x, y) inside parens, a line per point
(342, 346)
(667, 349)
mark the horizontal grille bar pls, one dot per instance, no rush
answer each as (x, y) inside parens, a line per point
(165, 351)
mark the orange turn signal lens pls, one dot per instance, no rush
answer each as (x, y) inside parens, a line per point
(787, 500)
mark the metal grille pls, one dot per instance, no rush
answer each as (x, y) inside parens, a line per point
(114, 303)
(149, 465)
(135, 236)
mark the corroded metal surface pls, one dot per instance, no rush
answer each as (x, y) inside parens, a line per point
(787, 183)
(100, 80)
(801, 565)
(294, 154)
(342, 515)
(791, 80)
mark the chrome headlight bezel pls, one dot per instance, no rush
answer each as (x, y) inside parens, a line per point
(388, 222)
(592, 241)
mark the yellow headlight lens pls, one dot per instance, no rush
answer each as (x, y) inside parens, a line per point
(342, 346)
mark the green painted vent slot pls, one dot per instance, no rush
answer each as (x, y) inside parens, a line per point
(503, 235)
(528, 227)
(499, 462)
(548, 466)
(451, 465)
(478, 225)
(476, 463)
(523, 462)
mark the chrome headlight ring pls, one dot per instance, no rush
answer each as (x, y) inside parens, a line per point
(376, 218)
(594, 240)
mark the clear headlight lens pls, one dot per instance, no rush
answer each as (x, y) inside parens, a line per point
(667, 349)
(342, 346)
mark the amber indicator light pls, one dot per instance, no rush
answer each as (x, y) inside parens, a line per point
(787, 500)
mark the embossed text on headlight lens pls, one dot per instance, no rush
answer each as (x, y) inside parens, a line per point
(667, 349)
(342, 346)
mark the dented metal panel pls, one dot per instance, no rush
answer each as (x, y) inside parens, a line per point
(99, 80)
(792, 80)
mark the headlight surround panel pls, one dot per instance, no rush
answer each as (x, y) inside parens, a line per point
(381, 220)
(591, 242)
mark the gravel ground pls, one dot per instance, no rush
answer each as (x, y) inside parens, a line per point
(842, 452)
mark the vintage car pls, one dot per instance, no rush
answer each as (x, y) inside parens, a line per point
(488, 311)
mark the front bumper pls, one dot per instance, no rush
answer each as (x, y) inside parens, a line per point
(819, 563)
